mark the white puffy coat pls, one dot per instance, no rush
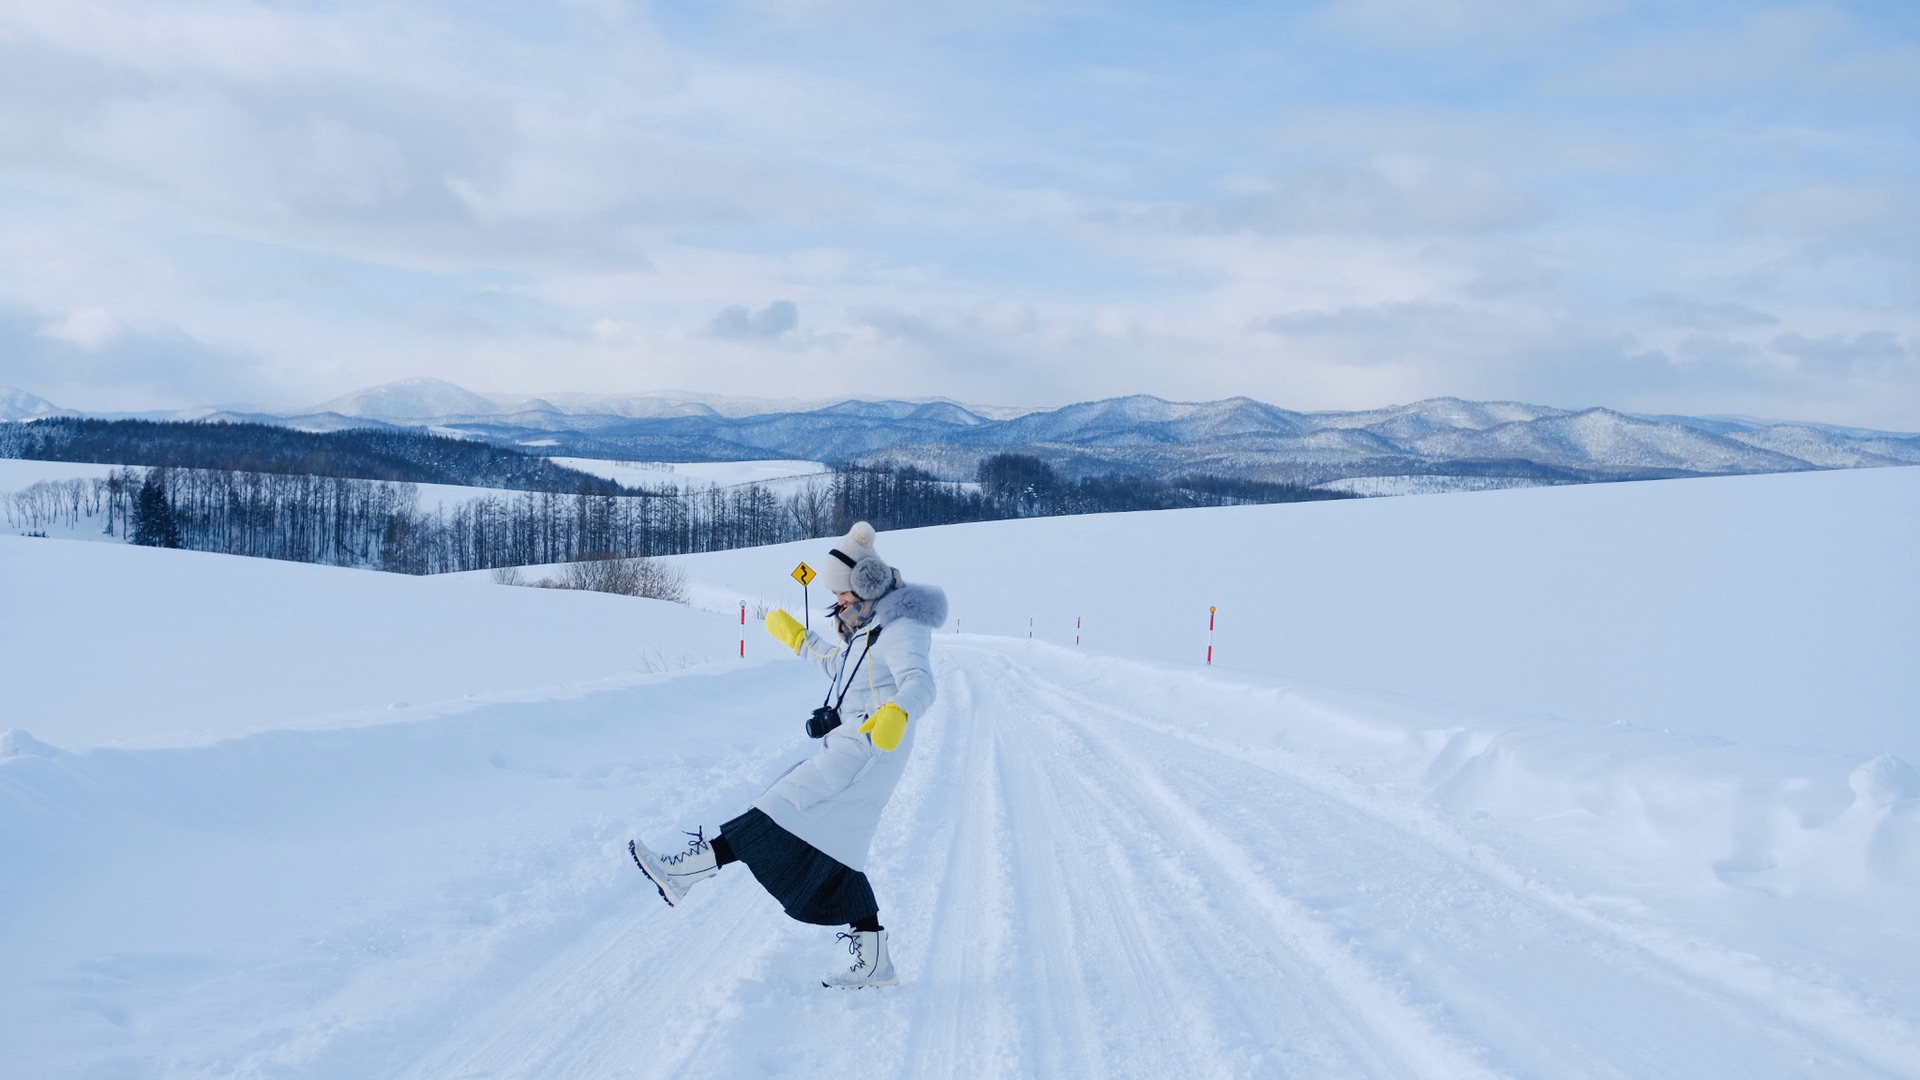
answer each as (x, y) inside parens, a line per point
(833, 799)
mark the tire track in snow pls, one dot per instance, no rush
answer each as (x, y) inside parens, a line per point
(1757, 1006)
(958, 1026)
(1067, 924)
(1577, 942)
(622, 999)
(1230, 947)
(1032, 937)
(1080, 888)
(1047, 933)
(939, 871)
(1165, 975)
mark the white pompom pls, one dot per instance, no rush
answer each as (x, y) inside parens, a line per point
(861, 533)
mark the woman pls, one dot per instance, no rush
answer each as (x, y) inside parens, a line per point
(806, 839)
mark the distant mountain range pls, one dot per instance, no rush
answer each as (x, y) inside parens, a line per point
(1437, 443)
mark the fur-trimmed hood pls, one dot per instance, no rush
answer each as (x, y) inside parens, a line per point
(926, 604)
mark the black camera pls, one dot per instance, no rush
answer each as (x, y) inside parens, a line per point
(824, 719)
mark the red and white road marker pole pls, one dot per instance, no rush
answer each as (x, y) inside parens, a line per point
(1076, 630)
(743, 629)
(1210, 613)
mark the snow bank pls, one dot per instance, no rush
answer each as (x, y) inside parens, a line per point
(110, 643)
(329, 903)
(1693, 811)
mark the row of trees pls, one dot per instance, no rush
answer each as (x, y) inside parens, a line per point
(343, 521)
(346, 521)
(1018, 485)
(61, 504)
(399, 456)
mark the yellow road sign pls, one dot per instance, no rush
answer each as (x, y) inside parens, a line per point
(804, 574)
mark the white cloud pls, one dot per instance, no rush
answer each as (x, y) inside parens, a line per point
(89, 328)
(1822, 210)
(555, 197)
(735, 322)
(228, 40)
(1862, 354)
(1422, 24)
(1395, 194)
(90, 359)
(1808, 52)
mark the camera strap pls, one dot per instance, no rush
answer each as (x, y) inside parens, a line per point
(872, 636)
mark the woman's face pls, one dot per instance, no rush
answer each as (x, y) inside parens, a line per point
(847, 599)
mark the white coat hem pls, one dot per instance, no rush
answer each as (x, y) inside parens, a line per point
(789, 817)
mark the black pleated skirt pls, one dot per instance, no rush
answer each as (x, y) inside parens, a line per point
(811, 885)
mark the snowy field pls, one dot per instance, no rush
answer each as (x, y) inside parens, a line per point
(698, 475)
(109, 644)
(1777, 609)
(1398, 831)
(16, 474)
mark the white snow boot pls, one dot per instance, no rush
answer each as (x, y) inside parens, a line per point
(674, 874)
(871, 964)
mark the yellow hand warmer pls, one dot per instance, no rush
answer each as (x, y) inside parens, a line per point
(786, 629)
(888, 726)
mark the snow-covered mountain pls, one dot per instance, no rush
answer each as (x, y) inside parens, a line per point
(20, 405)
(411, 400)
(417, 400)
(1439, 437)
(1820, 447)
(1239, 437)
(1601, 436)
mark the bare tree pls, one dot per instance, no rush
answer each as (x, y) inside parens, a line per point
(628, 577)
(810, 511)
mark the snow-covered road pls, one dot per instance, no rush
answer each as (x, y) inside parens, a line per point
(1093, 868)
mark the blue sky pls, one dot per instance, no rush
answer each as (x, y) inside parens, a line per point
(1709, 208)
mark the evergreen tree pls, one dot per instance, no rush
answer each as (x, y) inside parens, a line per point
(1018, 485)
(154, 522)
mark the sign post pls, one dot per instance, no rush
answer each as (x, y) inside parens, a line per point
(1210, 611)
(804, 575)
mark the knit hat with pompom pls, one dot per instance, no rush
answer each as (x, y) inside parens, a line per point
(852, 565)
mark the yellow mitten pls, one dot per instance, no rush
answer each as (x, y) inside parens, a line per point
(888, 726)
(786, 629)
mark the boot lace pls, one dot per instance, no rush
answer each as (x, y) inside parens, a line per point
(853, 946)
(695, 846)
